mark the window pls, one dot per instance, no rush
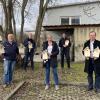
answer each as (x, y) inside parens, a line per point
(64, 21)
(75, 20)
(70, 20)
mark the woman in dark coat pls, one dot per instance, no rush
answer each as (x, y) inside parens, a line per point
(53, 51)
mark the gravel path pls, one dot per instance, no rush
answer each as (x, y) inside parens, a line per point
(72, 85)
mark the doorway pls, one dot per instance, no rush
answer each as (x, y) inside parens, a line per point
(70, 34)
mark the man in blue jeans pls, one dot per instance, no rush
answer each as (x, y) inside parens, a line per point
(52, 50)
(10, 54)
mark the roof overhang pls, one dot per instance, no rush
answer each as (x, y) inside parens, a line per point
(64, 27)
(73, 4)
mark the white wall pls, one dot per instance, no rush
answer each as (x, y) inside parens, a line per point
(89, 14)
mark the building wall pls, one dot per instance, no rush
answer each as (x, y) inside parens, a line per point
(89, 14)
(81, 35)
(56, 37)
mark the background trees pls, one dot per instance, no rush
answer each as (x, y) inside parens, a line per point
(9, 15)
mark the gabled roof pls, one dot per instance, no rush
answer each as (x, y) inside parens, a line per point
(74, 4)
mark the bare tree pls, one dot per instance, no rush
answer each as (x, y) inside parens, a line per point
(13, 19)
(5, 13)
(22, 18)
(10, 22)
(42, 10)
(8, 13)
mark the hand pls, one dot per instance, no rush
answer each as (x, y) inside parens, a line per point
(29, 42)
(50, 54)
(1, 56)
(19, 57)
(64, 45)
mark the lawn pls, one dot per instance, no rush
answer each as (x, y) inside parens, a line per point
(75, 74)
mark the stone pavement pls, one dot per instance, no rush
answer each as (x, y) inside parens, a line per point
(70, 89)
(35, 91)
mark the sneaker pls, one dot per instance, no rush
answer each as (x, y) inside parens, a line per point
(46, 87)
(57, 87)
(5, 85)
(97, 90)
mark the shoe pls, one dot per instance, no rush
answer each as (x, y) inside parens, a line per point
(5, 85)
(46, 87)
(89, 89)
(97, 90)
(56, 87)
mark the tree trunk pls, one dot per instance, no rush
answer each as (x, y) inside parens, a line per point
(9, 12)
(8, 6)
(5, 13)
(42, 11)
(14, 22)
(22, 19)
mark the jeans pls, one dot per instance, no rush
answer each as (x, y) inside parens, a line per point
(28, 57)
(90, 76)
(47, 73)
(8, 70)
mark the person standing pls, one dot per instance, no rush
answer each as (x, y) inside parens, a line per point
(52, 50)
(30, 46)
(92, 64)
(65, 45)
(11, 52)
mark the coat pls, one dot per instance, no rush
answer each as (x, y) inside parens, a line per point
(25, 43)
(66, 49)
(96, 61)
(55, 52)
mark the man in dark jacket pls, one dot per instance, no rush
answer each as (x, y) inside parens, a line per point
(92, 63)
(10, 54)
(30, 46)
(65, 45)
(52, 50)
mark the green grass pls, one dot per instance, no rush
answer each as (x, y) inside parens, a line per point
(75, 74)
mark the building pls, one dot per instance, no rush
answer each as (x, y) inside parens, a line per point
(76, 20)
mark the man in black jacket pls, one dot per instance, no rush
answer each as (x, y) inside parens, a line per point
(30, 46)
(92, 63)
(65, 45)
